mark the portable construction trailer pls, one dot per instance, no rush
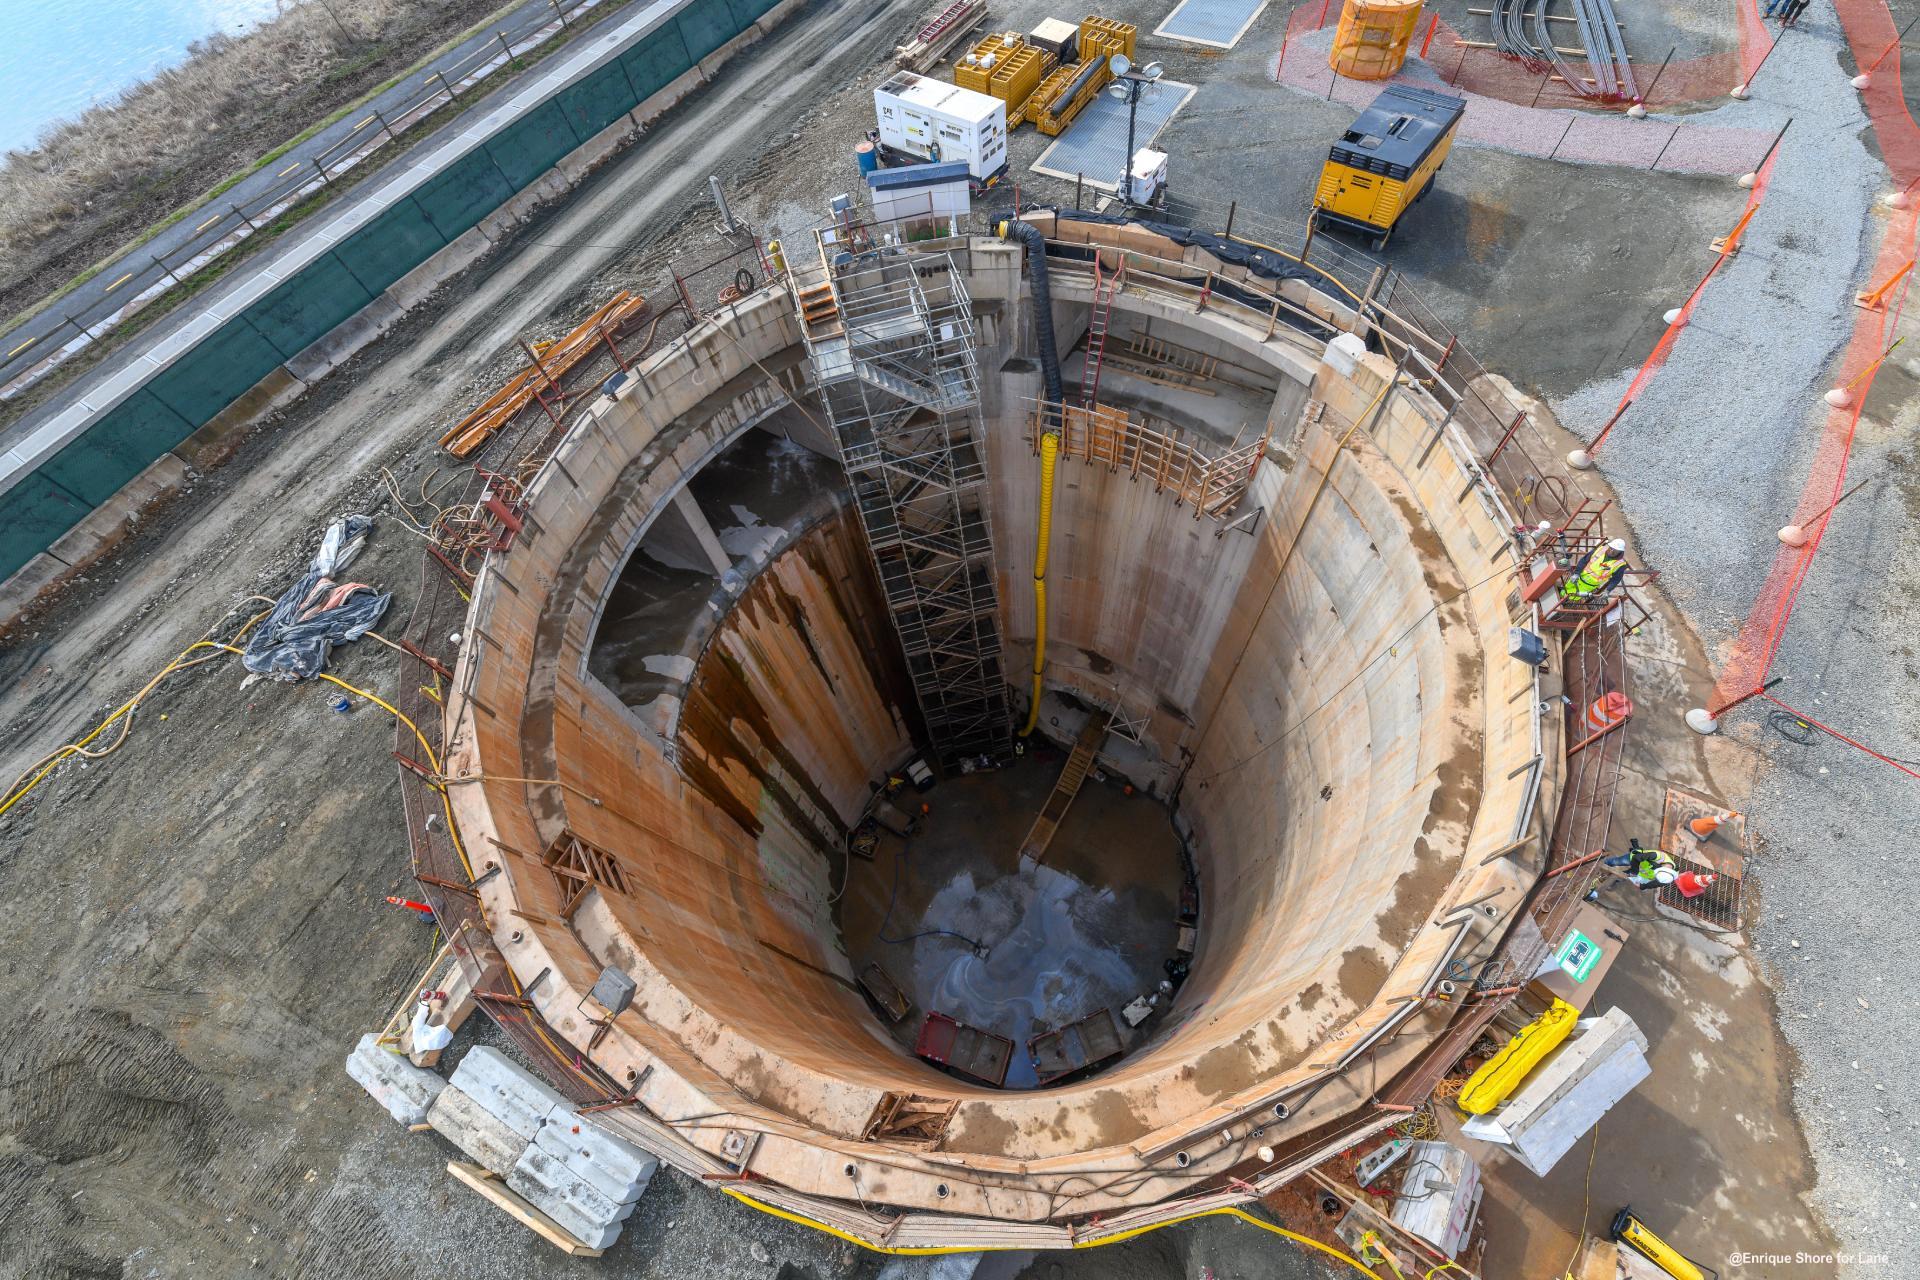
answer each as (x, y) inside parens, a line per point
(921, 118)
(1386, 161)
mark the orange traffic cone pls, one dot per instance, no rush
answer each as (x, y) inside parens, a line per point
(1692, 884)
(1704, 827)
(1608, 710)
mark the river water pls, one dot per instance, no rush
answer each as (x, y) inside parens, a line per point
(59, 57)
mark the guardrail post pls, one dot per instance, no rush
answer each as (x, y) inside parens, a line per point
(1518, 418)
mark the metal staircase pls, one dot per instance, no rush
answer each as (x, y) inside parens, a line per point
(1086, 748)
(890, 335)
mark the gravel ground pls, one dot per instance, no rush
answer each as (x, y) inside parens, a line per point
(1710, 462)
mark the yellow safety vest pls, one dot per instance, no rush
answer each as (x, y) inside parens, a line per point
(1651, 862)
(1595, 574)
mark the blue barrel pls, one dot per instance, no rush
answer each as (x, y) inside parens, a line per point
(868, 158)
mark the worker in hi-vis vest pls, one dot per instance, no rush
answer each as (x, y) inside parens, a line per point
(1597, 574)
(1646, 867)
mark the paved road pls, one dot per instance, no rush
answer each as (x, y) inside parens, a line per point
(228, 219)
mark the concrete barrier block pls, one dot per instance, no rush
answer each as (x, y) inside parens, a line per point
(549, 1186)
(466, 248)
(508, 218)
(466, 1124)
(507, 1091)
(612, 1166)
(344, 339)
(216, 441)
(592, 153)
(406, 1091)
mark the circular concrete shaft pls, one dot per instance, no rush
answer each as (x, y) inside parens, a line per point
(1315, 671)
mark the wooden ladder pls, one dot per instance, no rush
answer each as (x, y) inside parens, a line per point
(1079, 764)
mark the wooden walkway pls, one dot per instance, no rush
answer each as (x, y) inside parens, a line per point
(1079, 765)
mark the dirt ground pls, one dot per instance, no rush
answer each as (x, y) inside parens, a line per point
(194, 927)
(248, 124)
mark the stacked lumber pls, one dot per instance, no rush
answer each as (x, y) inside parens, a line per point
(552, 362)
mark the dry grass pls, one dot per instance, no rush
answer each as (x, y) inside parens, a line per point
(225, 106)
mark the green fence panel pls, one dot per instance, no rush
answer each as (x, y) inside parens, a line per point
(597, 101)
(118, 447)
(747, 12)
(533, 144)
(656, 61)
(37, 514)
(216, 373)
(303, 309)
(390, 246)
(705, 25)
(466, 191)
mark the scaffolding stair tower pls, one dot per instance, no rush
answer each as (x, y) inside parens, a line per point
(891, 339)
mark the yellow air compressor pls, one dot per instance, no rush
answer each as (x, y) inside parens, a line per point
(1386, 161)
(1631, 1232)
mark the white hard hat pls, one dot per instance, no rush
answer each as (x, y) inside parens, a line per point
(1618, 546)
(1665, 875)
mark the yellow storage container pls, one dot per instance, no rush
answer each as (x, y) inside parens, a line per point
(975, 70)
(1111, 34)
(1373, 37)
(1017, 76)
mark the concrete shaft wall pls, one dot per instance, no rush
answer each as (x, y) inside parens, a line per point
(1355, 771)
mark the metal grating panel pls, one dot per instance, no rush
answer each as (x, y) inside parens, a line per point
(1096, 146)
(1219, 23)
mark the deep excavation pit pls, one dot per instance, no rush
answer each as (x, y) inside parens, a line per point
(1308, 687)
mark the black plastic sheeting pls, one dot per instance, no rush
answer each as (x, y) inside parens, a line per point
(317, 612)
(1264, 263)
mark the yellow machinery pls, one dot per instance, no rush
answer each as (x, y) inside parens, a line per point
(1631, 1232)
(1005, 67)
(1061, 95)
(1373, 37)
(1386, 161)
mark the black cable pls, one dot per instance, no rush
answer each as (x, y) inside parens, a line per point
(900, 856)
(1791, 727)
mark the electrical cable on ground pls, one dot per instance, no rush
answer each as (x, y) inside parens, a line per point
(1117, 1238)
(1832, 732)
(1586, 1201)
(899, 857)
(38, 771)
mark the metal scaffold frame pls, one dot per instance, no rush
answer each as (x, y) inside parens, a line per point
(891, 338)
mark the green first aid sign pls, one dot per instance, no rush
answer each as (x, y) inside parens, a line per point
(1577, 955)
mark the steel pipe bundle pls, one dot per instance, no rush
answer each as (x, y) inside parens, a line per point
(1520, 30)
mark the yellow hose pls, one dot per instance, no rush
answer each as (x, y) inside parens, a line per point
(1501, 1074)
(1049, 451)
(1116, 1238)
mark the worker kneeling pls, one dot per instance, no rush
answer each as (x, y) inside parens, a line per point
(1647, 868)
(1597, 575)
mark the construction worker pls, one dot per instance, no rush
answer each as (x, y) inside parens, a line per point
(1647, 868)
(1597, 575)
